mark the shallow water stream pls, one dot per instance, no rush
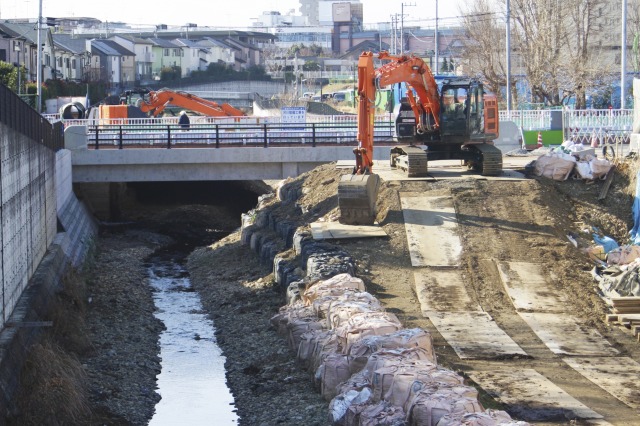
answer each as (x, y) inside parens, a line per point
(192, 381)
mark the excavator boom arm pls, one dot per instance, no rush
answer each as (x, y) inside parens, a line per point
(159, 100)
(416, 74)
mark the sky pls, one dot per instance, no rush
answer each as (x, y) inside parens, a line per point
(211, 13)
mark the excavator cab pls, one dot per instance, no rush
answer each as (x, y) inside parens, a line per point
(405, 121)
(462, 110)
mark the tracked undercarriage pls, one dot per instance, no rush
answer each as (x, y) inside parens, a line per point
(485, 159)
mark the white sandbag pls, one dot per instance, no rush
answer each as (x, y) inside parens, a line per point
(584, 170)
(326, 343)
(486, 418)
(340, 404)
(340, 311)
(555, 166)
(333, 286)
(366, 324)
(392, 357)
(333, 371)
(623, 255)
(599, 167)
(296, 327)
(322, 304)
(410, 380)
(382, 414)
(288, 313)
(404, 338)
(307, 346)
(426, 408)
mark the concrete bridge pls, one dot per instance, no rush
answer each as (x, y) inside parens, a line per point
(278, 158)
(209, 154)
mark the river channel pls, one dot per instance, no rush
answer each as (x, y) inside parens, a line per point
(192, 382)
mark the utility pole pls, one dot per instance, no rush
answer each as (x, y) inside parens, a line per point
(509, 57)
(436, 42)
(623, 57)
(39, 61)
(402, 25)
(394, 35)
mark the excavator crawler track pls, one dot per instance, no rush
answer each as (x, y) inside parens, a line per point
(411, 159)
(491, 164)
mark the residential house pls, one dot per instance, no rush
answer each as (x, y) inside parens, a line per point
(112, 63)
(219, 51)
(194, 56)
(246, 55)
(143, 49)
(18, 45)
(69, 58)
(166, 54)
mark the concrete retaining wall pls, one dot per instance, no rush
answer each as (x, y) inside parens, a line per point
(27, 212)
(36, 195)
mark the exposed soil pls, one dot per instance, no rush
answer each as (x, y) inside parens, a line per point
(498, 220)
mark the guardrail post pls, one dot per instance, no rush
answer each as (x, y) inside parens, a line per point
(169, 137)
(265, 134)
(97, 138)
(313, 135)
(120, 140)
(217, 136)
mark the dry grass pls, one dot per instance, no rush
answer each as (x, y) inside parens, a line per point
(68, 315)
(54, 388)
(53, 383)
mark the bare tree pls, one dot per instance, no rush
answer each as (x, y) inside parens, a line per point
(588, 65)
(483, 54)
(634, 30)
(554, 46)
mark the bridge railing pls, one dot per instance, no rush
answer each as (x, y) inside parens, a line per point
(319, 119)
(229, 134)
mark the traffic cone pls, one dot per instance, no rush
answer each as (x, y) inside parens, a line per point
(540, 145)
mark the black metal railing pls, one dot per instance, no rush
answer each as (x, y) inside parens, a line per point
(19, 116)
(229, 135)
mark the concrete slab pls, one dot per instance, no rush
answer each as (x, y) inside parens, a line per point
(335, 230)
(563, 335)
(443, 291)
(474, 335)
(617, 376)
(528, 288)
(530, 396)
(431, 226)
(443, 170)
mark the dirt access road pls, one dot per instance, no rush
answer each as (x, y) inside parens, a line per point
(503, 221)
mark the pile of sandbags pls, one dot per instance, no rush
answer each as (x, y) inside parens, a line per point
(372, 370)
(570, 158)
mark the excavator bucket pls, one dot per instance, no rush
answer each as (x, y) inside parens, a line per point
(357, 195)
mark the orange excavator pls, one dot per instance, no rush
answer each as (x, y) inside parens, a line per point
(456, 121)
(158, 101)
(140, 103)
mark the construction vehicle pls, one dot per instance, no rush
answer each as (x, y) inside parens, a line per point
(158, 101)
(456, 121)
(139, 103)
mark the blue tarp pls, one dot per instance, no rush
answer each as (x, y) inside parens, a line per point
(607, 243)
(635, 232)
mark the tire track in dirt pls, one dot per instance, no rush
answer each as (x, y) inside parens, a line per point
(504, 221)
